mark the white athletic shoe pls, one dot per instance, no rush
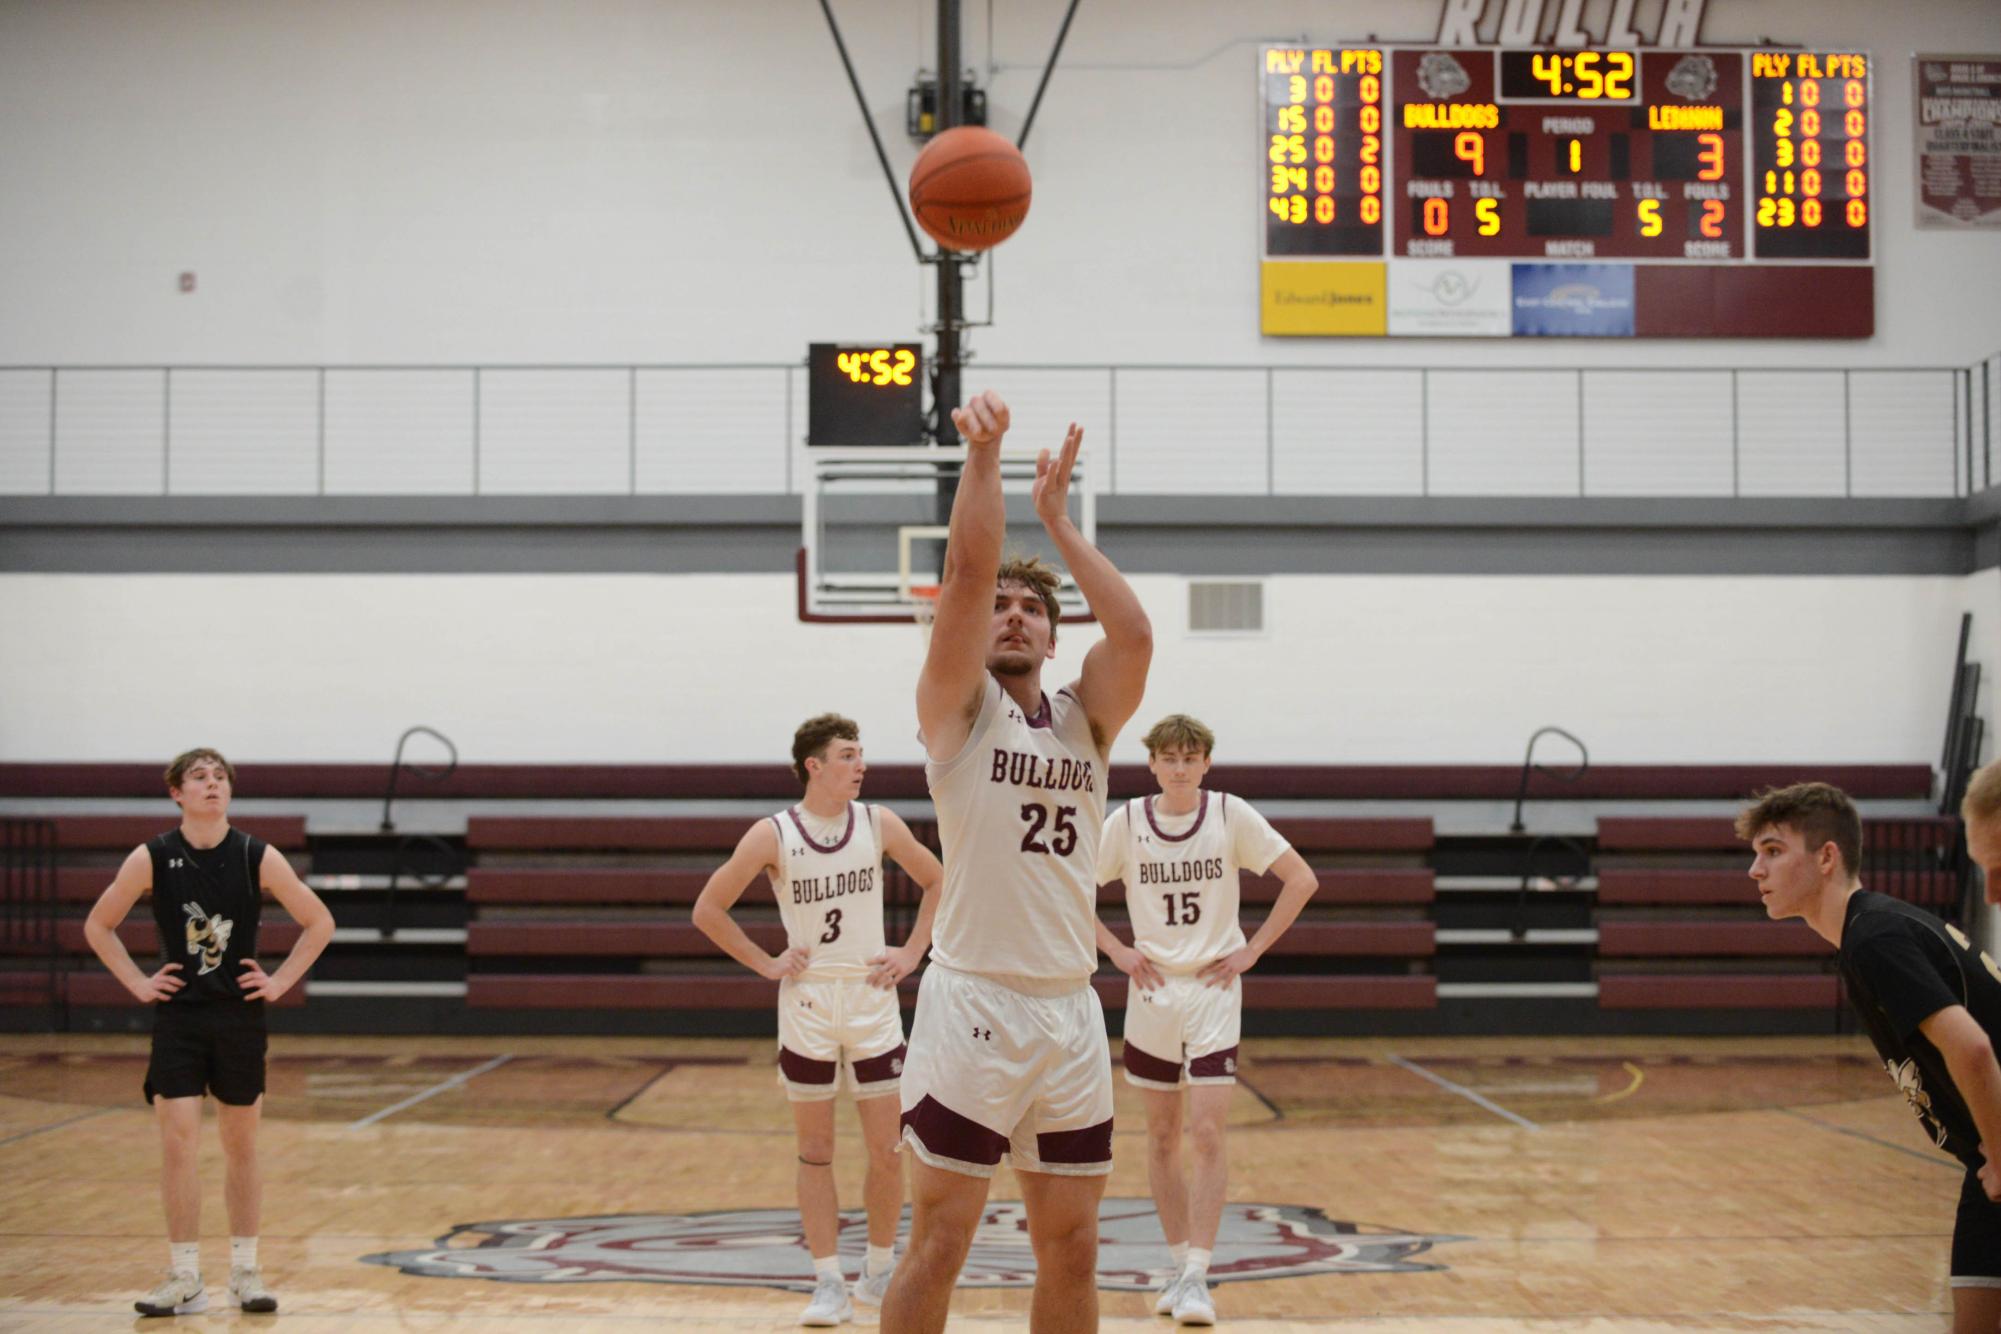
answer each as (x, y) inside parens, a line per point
(870, 1289)
(830, 1304)
(1163, 1301)
(247, 1290)
(1192, 1304)
(181, 1294)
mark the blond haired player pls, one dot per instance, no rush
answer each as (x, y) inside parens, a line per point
(837, 1001)
(1008, 1056)
(1179, 854)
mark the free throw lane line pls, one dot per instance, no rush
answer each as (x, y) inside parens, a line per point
(432, 1092)
(1463, 1092)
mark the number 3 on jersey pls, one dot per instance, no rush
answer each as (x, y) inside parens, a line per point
(1063, 836)
(833, 927)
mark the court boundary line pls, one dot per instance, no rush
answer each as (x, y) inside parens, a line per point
(1464, 1092)
(1941, 1158)
(1277, 1112)
(56, 1125)
(611, 1113)
(432, 1092)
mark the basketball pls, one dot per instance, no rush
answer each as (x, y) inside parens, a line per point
(969, 188)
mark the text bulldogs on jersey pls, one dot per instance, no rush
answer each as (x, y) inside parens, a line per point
(818, 889)
(1041, 771)
(1178, 873)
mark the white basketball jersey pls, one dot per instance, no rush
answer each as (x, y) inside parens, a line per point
(1180, 874)
(1020, 808)
(829, 886)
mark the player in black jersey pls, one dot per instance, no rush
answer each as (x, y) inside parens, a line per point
(1930, 1000)
(209, 995)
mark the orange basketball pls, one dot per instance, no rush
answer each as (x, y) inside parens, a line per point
(969, 188)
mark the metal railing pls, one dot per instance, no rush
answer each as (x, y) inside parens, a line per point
(429, 860)
(1233, 430)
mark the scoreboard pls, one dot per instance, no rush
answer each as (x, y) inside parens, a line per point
(1749, 169)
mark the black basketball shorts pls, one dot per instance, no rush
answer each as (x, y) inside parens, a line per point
(213, 1047)
(1976, 1238)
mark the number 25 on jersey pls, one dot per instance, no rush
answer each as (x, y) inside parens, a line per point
(1062, 838)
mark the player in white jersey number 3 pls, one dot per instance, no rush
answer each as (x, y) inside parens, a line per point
(1179, 855)
(837, 976)
(1008, 1055)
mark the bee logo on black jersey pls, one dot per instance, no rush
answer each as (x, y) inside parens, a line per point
(207, 936)
(1911, 1083)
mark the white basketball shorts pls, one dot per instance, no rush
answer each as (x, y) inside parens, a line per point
(995, 1071)
(838, 1031)
(1183, 1032)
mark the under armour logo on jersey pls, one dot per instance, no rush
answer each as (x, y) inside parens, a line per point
(175, 863)
(983, 1034)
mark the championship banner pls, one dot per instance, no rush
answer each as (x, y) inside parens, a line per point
(1959, 140)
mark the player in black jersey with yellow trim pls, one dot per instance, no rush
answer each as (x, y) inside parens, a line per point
(1930, 1000)
(209, 995)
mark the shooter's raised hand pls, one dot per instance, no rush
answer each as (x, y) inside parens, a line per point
(1052, 478)
(983, 421)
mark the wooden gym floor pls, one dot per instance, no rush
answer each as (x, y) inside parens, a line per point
(1460, 1185)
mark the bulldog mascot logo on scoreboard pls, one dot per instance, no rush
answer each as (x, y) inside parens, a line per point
(761, 1248)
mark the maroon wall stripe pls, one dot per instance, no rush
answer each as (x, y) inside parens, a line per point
(597, 782)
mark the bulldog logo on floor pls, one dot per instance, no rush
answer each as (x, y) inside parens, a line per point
(764, 1248)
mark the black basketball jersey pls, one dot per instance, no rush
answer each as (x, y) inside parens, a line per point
(206, 902)
(1903, 965)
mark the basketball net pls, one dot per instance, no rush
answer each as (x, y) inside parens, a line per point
(924, 608)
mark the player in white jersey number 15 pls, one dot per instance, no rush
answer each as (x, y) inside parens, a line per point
(1179, 855)
(837, 1001)
(1008, 1055)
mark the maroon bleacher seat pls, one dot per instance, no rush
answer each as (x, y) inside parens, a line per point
(1673, 887)
(122, 833)
(1709, 939)
(593, 833)
(1714, 991)
(1312, 834)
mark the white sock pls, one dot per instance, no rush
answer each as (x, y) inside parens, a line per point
(243, 1252)
(880, 1258)
(827, 1266)
(1179, 1250)
(184, 1257)
(1197, 1264)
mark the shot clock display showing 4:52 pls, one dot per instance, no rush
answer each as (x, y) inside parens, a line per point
(864, 394)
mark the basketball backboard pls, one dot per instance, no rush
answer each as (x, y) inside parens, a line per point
(873, 525)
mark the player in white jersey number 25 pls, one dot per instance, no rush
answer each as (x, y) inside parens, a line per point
(1179, 855)
(837, 1003)
(1008, 1056)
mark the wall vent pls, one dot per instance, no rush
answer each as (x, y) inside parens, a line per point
(1226, 606)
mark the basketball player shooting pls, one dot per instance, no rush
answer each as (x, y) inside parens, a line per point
(1008, 1056)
